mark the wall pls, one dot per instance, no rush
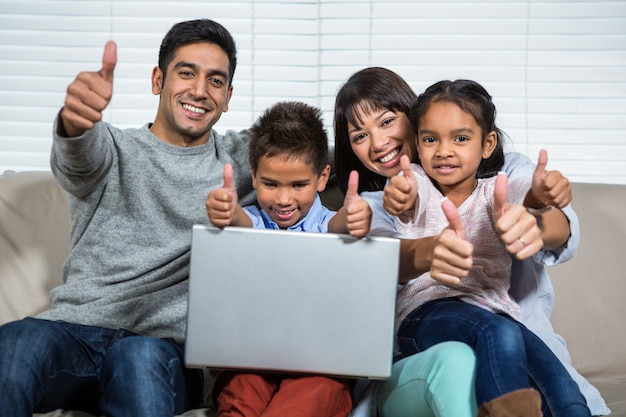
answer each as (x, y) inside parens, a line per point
(556, 69)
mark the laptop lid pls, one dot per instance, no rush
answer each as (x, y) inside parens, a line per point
(272, 300)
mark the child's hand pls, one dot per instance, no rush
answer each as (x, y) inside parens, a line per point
(517, 227)
(358, 212)
(401, 191)
(550, 188)
(222, 202)
(452, 253)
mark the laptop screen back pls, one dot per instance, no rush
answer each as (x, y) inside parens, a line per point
(268, 300)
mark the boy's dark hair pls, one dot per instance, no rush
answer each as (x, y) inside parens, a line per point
(472, 98)
(195, 31)
(290, 130)
(372, 88)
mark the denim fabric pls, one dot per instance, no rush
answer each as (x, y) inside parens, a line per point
(508, 355)
(45, 365)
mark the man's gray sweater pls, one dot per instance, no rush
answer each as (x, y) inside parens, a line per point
(133, 200)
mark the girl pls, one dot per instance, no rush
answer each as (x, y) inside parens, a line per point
(459, 152)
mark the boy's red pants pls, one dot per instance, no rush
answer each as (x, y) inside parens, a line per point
(281, 395)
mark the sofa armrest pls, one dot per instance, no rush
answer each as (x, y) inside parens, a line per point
(34, 241)
(589, 307)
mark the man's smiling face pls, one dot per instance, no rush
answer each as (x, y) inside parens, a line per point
(194, 93)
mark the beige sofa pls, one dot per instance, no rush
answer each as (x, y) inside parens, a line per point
(590, 311)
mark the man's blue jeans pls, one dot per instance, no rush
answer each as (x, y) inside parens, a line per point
(508, 355)
(45, 365)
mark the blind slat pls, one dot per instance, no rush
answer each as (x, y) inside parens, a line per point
(556, 69)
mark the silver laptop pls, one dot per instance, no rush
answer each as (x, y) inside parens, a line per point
(271, 300)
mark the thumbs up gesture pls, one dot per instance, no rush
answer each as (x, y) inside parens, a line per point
(452, 253)
(400, 193)
(358, 211)
(88, 95)
(517, 227)
(549, 188)
(221, 204)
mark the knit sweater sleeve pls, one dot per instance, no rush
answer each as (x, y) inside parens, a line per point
(82, 162)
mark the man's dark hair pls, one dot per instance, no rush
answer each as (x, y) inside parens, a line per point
(194, 31)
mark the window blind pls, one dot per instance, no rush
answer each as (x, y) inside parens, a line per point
(556, 69)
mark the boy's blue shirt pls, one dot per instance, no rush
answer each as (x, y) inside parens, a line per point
(316, 219)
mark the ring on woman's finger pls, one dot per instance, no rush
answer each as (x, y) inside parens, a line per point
(522, 241)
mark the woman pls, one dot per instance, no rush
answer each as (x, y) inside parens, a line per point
(371, 111)
(439, 381)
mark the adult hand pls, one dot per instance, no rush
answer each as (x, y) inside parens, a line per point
(517, 227)
(358, 211)
(549, 188)
(88, 95)
(401, 192)
(222, 202)
(452, 253)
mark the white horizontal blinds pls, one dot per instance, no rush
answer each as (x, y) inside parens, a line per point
(429, 41)
(577, 87)
(345, 47)
(557, 70)
(285, 52)
(34, 68)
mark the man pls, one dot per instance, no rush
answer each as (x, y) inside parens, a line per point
(112, 341)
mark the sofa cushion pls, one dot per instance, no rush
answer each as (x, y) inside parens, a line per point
(34, 240)
(589, 307)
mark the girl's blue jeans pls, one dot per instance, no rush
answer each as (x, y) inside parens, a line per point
(508, 355)
(46, 365)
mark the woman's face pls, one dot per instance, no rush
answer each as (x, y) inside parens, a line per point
(381, 139)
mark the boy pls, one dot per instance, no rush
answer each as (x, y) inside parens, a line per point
(289, 164)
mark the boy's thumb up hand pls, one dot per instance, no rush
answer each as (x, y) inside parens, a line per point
(229, 181)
